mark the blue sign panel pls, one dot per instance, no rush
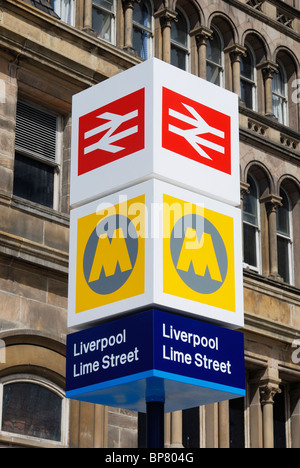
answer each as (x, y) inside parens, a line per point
(158, 356)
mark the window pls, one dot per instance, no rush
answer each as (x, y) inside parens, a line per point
(179, 42)
(35, 155)
(251, 227)
(284, 239)
(280, 418)
(279, 93)
(142, 29)
(103, 19)
(65, 9)
(29, 410)
(214, 59)
(191, 428)
(247, 74)
(237, 423)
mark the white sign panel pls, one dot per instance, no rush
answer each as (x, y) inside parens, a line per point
(155, 120)
(155, 245)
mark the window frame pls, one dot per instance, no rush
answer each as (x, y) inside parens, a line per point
(58, 9)
(252, 82)
(112, 15)
(20, 439)
(221, 66)
(288, 238)
(53, 163)
(257, 227)
(283, 98)
(177, 46)
(147, 30)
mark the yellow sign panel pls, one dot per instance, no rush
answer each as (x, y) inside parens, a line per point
(110, 254)
(198, 254)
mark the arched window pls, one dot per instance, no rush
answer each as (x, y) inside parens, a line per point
(30, 410)
(284, 238)
(103, 19)
(180, 42)
(214, 59)
(142, 29)
(279, 94)
(248, 86)
(251, 223)
(65, 9)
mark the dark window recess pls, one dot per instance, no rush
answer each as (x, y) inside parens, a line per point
(279, 416)
(191, 428)
(236, 423)
(33, 180)
(35, 148)
(31, 410)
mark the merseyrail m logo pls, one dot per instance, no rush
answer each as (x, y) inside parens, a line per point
(198, 254)
(110, 254)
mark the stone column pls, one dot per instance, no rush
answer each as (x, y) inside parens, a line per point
(268, 70)
(236, 51)
(272, 202)
(255, 413)
(176, 430)
(128, 6)
(267, 393)
(202, 34)
(166, 16)
(87, 23)
(223, 420)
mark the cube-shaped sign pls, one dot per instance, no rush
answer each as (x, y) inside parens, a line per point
(155, 120)
(155, 245)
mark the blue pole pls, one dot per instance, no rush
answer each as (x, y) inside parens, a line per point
(155, 424)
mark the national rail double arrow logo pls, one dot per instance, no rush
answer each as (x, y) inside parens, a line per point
(196, 131)
(111, 132)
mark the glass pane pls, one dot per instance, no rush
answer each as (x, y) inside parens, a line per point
(283, 216)
(250, 256)
(101, 22)
(247, 93)
(283, 258)
(66, 13)
(141, 14)
(33, 180)
(247, 66)
(63, 8)
(278, 108)
(179, 30)
(107, 4)
(140, 42)
(250, 204)
(31, 410)
(278, 83)
(213, 74)
(213, 50)
(178, 57)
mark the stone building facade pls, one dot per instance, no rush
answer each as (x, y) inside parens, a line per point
(50, 50)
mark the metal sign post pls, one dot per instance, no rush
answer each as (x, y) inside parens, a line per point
(155, 424)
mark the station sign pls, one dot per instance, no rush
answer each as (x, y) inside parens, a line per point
(155, 121)
(155, 356)
(155, 244)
